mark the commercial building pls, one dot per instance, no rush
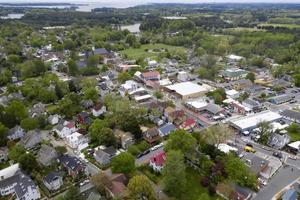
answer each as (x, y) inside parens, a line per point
(250, 122)
(281, 99)
(186, 90)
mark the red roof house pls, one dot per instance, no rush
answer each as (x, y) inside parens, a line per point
(157, 162)
(188, 124)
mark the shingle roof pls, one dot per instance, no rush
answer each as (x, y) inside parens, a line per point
(167, 129)
(291, 114)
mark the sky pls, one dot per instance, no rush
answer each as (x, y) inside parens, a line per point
(154, 1)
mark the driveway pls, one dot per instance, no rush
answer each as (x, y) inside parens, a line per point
(284, 177)
(145, 159)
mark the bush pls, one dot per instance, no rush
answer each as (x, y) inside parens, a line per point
(205, 182)
(212, 190)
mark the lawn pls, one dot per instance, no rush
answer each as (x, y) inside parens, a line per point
(149, 51)
(194, 188)
(294, 136)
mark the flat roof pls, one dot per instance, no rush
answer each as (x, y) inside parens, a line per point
(252, 120)
(187, 88)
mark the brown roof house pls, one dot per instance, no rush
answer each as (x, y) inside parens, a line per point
(125, 139)
(151, 135)
(118, 185)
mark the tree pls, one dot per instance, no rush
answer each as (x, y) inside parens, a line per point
(28, 162)
(73, 194)
(238, 172)
(73, 67)
(3, 135)
(91, 93)
(15, 152)
(251, 76)
(16, 111)
(123, 163)
(29, 124)
(264, 129)
(139, 187)
(123, 76)
(102, 182)
(61, 149)
(297, 80)
(217, 134)
(182, 141)
(101, 134)
(174, 173)
(93, 61)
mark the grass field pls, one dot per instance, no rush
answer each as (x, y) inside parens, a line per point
(155, 49)
(291, 26)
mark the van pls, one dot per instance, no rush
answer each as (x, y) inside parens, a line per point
(249, 149)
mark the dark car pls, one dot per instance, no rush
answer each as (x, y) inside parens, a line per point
(277, 154)
(249, 145)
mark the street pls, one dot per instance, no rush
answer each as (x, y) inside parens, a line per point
(146, 158)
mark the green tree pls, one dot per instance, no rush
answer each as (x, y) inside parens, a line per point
(297, 80)
(139, 187)
(29, 124)
(123, 163)
(181, 141)
(5, 77)
(93, 61)
(3, 135)
(251, 76)
(28, 162)
(101, 134)
(174, 174)
(16, 111)
(214, 135)
(15, 152)
(73, 194)
(264, 130)
(73, 68)
(123, 76)
(102, 182)
(91, 93)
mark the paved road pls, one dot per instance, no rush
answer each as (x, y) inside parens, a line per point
(146, 158)
(283, 178)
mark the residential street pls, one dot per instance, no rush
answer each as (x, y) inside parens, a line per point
(145, 158)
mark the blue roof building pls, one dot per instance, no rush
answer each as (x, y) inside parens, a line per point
(166, 129)
(291, 194)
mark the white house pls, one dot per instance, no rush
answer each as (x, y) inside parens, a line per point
(99, 109)
(127, 87)
(15, 133)
(53, 119)
(77, 141)
(157, 161)
(182, 76)
(65, 129)
(14, 181)
(53, 181)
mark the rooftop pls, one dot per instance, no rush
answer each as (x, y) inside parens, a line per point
(187, 88)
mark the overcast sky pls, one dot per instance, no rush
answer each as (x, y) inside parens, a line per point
(154, 1)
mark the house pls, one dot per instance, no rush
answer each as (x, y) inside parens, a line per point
(104, 156)
(188, 124)
(15, 133)
(233, 94)
(64, 129)
(37, 110)
(87, 104)
(98, 109)
(151, 76)
(278, 141)
(177, 117)
(291, 115)
(125, 139)
(234, 192)
(242, 84)
(77, 141)
(83, 118)
(128, 87)
(53, 181)
(251, 104)
(182, 76)
(166, 129)
(14, 181)
(290, 194)
(168, 111)
(3, 154)
(54, 119)
(151, 135)
(72, 164)
(31, 139)
(118, 186)
(281, 99)
(47, 155)
(157, 161)
(232, 74)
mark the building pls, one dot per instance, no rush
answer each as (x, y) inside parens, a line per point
(250, 122)
(64, 129)
(15, 133)
(157, 161)
(291, 115)
(281, 99)
(188, 124)
(118, 187)
(233, 74)
(234, 58)
(278, 141)
(182, 76)
(84, 118)
(186, 90)
(31, 139)
(47, 155)
(104, 156)
(14, 181)
(233, 94)
(166, 129)
(256, 164)
(72, 164)
(125, 139)
(98, 109)
(150, 76)
(251, 104)
(242, 84)
(226, 148)
(53, 181)
(77, 141)
(151, 135)
(294, 146)
(128, 87)
(53, 119)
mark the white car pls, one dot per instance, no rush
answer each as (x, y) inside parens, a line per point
(262, 182)
(292, 157)
(157, 146)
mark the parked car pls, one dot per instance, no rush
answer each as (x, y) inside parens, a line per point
(249, 149)
(292, 157)
(277, 154)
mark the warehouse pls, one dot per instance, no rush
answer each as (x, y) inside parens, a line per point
(186, 90)
(250, 122)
